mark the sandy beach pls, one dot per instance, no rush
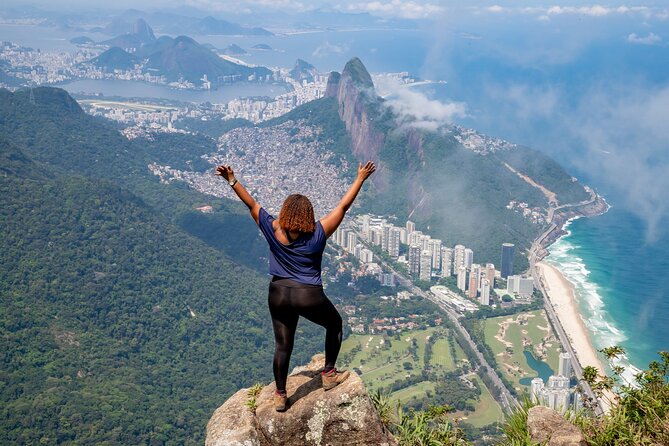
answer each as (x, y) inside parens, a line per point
(561, 294)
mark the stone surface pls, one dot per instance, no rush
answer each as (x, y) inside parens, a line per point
(344, 415)
(548, 427)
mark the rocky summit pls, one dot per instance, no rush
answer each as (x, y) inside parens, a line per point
(343, 415)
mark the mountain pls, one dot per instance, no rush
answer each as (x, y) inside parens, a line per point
(180, 58)
(123, 321)
(184, 57)
(303, 70)
(454, 181)
(262, 47)
(234, 50)
(212, 26)
(115, 58)
(82, 40)
(140, 33)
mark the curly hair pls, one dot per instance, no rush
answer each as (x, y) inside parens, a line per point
(297, 214)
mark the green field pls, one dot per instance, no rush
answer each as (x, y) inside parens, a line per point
(509, 336)
(487, 410)
(382, 359)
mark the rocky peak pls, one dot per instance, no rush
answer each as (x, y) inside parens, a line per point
(143, 31)
(343, 415)
(354, 91)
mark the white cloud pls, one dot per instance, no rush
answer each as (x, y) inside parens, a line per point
(544, 14)
(398, 9)
(617, 134)
(229, 5)
(650, 39)
(327, 48)
(417, 110)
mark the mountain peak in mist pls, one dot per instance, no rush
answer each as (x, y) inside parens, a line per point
(356, 71)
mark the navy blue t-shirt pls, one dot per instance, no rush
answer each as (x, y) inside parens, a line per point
(299, 260)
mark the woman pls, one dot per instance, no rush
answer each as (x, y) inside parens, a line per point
(296, 243)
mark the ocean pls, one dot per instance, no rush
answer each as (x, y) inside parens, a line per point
(620, 283)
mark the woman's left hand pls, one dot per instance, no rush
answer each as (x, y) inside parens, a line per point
(225, 172)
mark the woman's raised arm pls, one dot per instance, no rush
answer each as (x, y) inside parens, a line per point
(332, 221)
(227, 173)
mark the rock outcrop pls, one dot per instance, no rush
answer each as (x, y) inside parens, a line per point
(354, 91)
(548, 427)
(343, 415)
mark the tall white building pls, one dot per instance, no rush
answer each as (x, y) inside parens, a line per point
(385, 236)
(434, 246)
(484, 299)
(446, 262)
(403, 235)
(425, 265)
(555, 394)
(490, 274)
(414, 260)
(564, 366)
(415, 238)
(410, 226)
(458, 257)
(474, 277)
(536, 388)
(364, 225)
(366, 256)
(394, 242)
(469, 257)
(351, 241)
(462, 278)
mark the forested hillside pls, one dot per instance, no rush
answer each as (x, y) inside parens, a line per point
(123, 320)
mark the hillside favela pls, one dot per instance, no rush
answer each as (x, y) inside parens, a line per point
(486, 259)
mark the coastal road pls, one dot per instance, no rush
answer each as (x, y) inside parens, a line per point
(534, 257)
(507, 400)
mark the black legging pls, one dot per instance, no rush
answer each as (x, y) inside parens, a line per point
(288, 300)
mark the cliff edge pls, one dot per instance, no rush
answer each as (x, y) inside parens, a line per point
(343, 415)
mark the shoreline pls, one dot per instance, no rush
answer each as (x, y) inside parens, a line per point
(562, 296)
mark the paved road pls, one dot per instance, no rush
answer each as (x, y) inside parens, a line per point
(550, 311)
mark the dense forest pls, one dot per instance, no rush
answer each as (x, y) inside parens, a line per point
(123, 317)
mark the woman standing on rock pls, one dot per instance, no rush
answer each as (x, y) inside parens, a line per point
(296, 242)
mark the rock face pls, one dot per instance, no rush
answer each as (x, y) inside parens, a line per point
(548, 427)
(354, 90)
(343, 415)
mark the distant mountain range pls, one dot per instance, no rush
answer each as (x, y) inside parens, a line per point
(170, 23)
(175, 58)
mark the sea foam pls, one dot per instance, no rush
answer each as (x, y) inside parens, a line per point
(590, 300)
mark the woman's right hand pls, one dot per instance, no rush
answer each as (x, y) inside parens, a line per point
(365, 171)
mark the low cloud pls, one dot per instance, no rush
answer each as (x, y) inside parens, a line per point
(616, 135)
(415, 109)
(398, 9)
(650, 39)
(327, 48)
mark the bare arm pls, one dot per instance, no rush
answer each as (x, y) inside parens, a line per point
(227, 173)
(332, 221)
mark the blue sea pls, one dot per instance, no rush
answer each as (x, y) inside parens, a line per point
(620, 280)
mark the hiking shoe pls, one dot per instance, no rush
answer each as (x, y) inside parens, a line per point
(280, 401)
(333, 378)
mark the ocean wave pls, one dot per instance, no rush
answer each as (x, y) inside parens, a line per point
(590, 301)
